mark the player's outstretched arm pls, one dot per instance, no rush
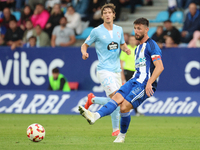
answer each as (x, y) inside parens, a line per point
(125, 49)
(84, 47)
(156, 73)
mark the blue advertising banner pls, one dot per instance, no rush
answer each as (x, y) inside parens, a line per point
(182, 70)
(29, 68)
(43, 102)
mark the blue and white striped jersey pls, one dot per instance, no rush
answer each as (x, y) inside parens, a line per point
(145, 54)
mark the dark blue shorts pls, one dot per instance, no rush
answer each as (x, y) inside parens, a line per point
(134, 92)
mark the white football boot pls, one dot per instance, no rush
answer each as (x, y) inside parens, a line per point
(120, 138)
(89, 116)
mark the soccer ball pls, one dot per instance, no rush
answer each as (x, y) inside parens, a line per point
(35, 132)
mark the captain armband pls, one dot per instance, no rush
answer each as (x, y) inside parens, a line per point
(155, 57)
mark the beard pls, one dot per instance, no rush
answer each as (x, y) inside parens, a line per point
(139, 37)
(63, 25)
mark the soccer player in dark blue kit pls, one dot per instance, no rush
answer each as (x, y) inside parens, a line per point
(143, 84)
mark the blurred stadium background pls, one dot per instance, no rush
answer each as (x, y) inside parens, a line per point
(24, 98)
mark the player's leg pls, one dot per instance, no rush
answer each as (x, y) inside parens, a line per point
(135, 97)
(107, 109)
(125, 108)
(92, 99)
(115, 115)
(107, 80)
(111, 82)
(128, 75)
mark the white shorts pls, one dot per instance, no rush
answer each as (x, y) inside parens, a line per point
(110, 81)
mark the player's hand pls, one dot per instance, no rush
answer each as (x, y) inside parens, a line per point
(85, 56)
(149, 90)
(127, 51)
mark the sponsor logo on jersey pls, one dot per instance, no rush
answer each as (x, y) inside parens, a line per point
(118, 34)
(142, 49)
(113, 46)
(88, 38)
(140, 62)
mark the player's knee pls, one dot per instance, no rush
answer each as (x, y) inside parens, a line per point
(123, 109)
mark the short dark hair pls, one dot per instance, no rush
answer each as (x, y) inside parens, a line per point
(55, 70)
(13, 19)
(167, 21)
(33, 37)
(39, 4)
(64, 18)
(38, 26)
(28, 20)
(142, 21)
(70, 5)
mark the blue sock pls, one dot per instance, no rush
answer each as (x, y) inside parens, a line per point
(115, 118)
(108, 108)
(101, 100)
(125, 121)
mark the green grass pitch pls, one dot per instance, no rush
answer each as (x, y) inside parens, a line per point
(72, 132)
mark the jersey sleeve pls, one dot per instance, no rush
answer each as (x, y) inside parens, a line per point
(122, 37)
(154, 51)
(91, 38)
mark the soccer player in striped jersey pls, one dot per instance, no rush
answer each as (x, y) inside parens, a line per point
(143, 84)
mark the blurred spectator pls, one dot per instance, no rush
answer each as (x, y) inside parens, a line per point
(172, 6)
(133, 3)
(33, 3)
(126, 38)
(81, 7)
(2, 42)
(28, 32)
(94, 13)
(169, 42)
(50, 4)
(198, 42)
(74, 20)
(31, 42)
(195, 42)
(20, 4)
(191, 24)
(128, 61)
(183, 4)
(25, 14)
(56, 15)
(62, 35)
(65, 3)
(7, 3)
(58, 82)
(157, 36)
(14, 35)
(171, 31)
(40, 16)
(7, 16)
(41, 36)
(2, 29)
(149, 2)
